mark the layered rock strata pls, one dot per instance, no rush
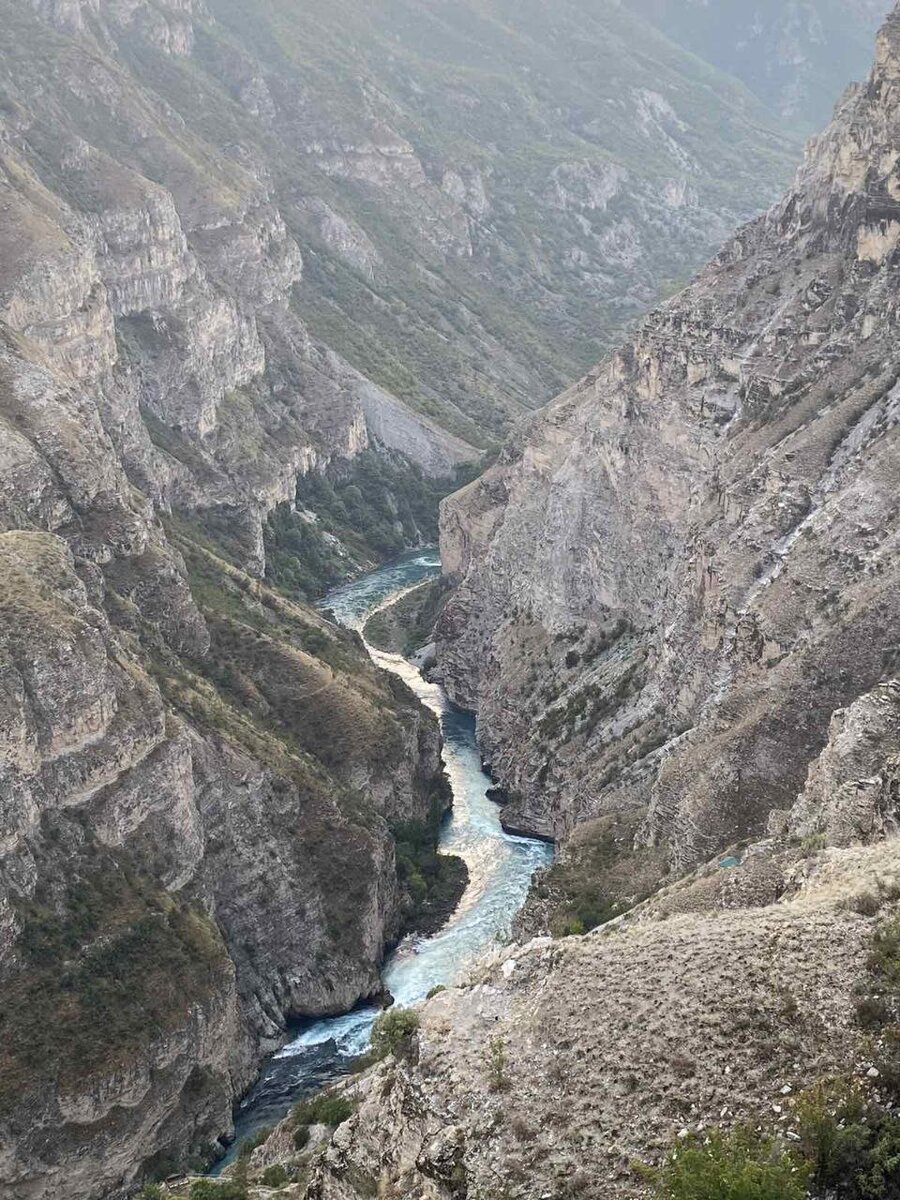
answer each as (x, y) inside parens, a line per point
(677, 573)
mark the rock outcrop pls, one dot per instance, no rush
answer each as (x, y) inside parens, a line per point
(556, 1068)
(677, 573)
(197, 778)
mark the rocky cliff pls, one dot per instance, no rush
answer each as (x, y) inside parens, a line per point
(457, 183)
(192, 769)
(675, 612)
(203, 247)
(192, 766)
(677, 573)
(556, 1069)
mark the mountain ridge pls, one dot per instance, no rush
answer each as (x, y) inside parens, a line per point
(673, 489)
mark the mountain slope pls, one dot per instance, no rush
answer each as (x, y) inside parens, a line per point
(757, 996)
(190, 764)
(483, 194)
(676, 608)
(793, 56)
(677, 572)
(193, 766)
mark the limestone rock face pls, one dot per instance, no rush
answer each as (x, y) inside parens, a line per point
(448, 254)
(181, 775)
(161, 275)
(676, 574)
(853, 790)
(124, 757)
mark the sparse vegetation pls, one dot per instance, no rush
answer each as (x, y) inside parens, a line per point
(598, 878)
(496, 1065)
(369, 510)
(393, 1031)
(213, 1189)
(851, 1144)
(739, 1165)
(251, 1143)
(324, 1109)
(274, 1177)
(433, 882)
(408, 625)
(110, 961)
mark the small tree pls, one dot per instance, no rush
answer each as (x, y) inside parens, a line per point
(393, 1031)
(497, 1065)
(322, 1110)
(275, 1176)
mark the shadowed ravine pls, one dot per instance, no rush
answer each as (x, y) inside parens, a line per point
(500, 868)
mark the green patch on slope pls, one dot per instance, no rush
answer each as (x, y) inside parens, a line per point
(408, 624)
(110, 963)
(348, 521)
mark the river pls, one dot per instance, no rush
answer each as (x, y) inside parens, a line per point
(500, 869)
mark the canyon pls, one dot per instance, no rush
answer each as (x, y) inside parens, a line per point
(673, 607)
(273, 279)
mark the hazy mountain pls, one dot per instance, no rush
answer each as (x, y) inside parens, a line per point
(271, 274)
(794, 55)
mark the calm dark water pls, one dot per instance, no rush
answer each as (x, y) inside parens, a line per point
(500, 869)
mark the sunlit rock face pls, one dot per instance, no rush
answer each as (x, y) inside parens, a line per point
(677, 573)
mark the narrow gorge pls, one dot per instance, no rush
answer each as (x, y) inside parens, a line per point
(673, 605)
(286, 292)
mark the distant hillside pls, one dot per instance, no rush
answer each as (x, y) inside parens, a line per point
(794, 55)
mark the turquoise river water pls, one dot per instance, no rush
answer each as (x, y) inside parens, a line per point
(500, 869)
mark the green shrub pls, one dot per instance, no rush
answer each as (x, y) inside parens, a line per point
(249, 1144)
(733, 1166)
(851, 1144)
(496, 1063)
(274, 1177)
(436, 990)
(323, 1110)
(211, 1189)
(887, 1062)
(301, 1137)
(884, 957)
(150, 1191)
(393, 1030)
(879, 1004)
(433, 882)
(813, 842)
(872, 1013)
